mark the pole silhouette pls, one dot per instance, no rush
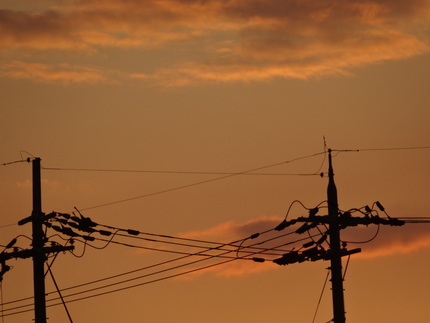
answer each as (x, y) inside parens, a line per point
(335, 256)
(38, 246)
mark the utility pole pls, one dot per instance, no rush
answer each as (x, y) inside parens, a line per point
(38, 246)
(38, 251)
(336, 220)
(335, 255)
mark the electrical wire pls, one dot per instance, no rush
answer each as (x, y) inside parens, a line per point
(365, 241)
(201, 182)
(60, 295)
(16, 161)
(8, 225)
(346, 267)
(415, 219)
(106, 170)
(151, 281)
(382, 149)
(169, 237)
(132, 279)
(321, 295)
(140, 284)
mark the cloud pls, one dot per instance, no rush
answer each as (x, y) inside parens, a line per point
(388, 242)
(229, 40)
(62, 73)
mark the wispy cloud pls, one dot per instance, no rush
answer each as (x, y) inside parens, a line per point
(228, 40)
(62, 73)
(389, 241)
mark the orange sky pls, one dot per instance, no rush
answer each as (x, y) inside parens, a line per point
(221, 86)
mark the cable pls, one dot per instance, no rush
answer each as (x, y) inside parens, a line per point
(416, 219)
(346, 267)
(321, 295)
(16, 161)
(171, 172)
(144, 276)
(151, 274)
(8, 225)
(211, 256)
(365, 241)
(186, 264)
(381, 149)
(201, 182)
(59, 293)
(135, 234)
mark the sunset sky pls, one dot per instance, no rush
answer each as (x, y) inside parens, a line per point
(205, 120)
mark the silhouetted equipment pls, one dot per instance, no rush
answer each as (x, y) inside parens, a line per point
(82, 227)
(336, 221)
(39, 250)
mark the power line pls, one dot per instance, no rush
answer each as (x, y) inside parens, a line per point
(228, 175)
(171, 172)
(155, 273)
(381, 149)
(128, 280)
(321, 295)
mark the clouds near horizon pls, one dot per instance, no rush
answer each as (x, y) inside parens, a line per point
(223, 40)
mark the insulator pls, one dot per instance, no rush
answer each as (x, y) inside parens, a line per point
(255, 235)
(346, 214)
(57, 228)
(289, 258)
(10, 244)
(313, 211)
(69, 232)
(257, 259)
(308, 244)
(75, 218)
(64, 215)
(133, 232)
(322, 239)
(305, 227)
(312, 252)
(87, 222)
(105, 233)
(63, 221)
(281, 226)
(379, 205)
(73, 225)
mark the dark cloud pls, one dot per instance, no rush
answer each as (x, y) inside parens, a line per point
(249, 40)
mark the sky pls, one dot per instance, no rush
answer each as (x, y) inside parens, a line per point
(203, 121)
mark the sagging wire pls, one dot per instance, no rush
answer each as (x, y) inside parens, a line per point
(365, 241)
(150, 274)
(203, 182)
(147, 275)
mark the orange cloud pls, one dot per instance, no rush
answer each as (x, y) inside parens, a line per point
(389, 241)
(63, 73)
(229, 40)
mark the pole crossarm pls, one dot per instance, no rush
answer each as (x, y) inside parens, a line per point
(28, 253)
(345, 219)
(312, 254)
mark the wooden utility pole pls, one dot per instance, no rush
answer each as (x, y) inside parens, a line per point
(335, 254)
(38, 246)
